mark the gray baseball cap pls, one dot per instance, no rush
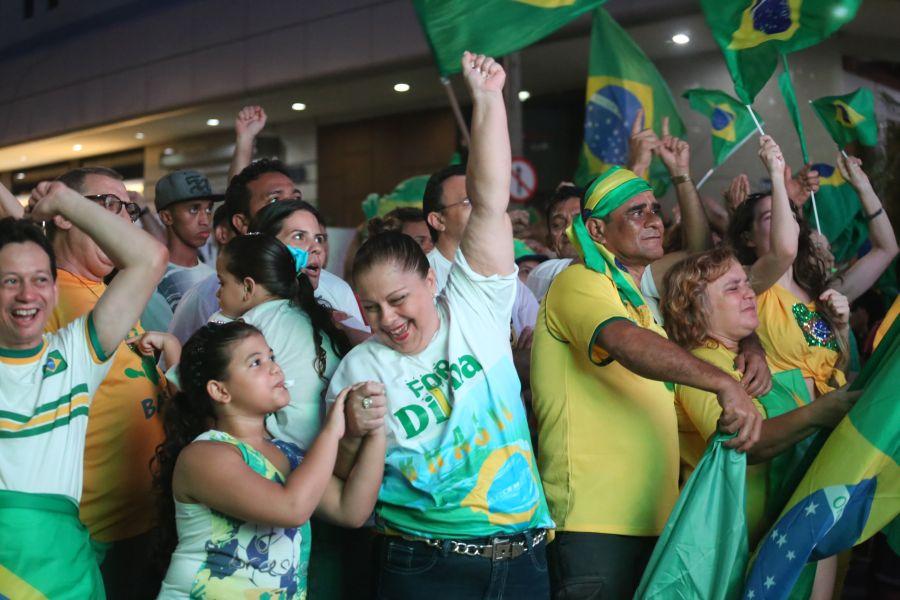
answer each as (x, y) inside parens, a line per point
(183, 185)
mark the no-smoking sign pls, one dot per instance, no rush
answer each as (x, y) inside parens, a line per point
(523, 183)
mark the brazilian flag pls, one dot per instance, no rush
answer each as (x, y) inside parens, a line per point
(492, 27)
(621, 82)
(840, 213)
(730, 122)
(407, 193)
(851, 490)
(752, 33)
(849, 118)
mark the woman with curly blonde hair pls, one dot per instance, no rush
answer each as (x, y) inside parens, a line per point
(708, 308)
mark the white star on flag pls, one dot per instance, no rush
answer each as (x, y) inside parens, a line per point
(782, 541)
(790, 555)
(751, 595)
(811, 509)
(770, 581)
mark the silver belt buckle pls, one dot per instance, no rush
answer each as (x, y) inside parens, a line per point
(502, 549)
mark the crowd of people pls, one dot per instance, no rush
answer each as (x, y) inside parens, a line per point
(192, 406)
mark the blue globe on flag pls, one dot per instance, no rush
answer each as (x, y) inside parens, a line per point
(720, 119)
(771, 16)
(608, 118)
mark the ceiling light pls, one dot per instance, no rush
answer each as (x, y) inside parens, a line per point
(139, 135)
(212, 122)
(169, 151)
(20, 176)
(77, 147)
(401, 87)
(681, 39)
(298, 106)
(524, 95)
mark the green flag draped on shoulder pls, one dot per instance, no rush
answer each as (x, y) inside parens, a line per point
(493, 27)
(849, 118)
(851, 490)
(729, 120)
(621, 82)
(751, 33)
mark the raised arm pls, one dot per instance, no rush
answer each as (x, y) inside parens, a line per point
(349, 503)
(860, 277)
(676, 155)
(784, 230)
(141, 260)
(249, 122)
(487, 243)
(9, 205)
(641, 145)
(652, 356)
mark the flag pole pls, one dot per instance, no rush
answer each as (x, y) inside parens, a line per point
(755, 120)
(704, 178)
(457, 113)
(727, 156)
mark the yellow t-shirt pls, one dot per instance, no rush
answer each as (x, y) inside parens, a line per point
(795, 336)
(698, 411)
(608, 438)
(124, 428)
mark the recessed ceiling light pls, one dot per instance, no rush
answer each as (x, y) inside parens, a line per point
(77, 147)
(139, 135)
(20, 176)
(298, 106)
(524, 95)
(401, 87)
(212, 122)
(169, 151)
(681, 38)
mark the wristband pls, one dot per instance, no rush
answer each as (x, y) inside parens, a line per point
(684, 178)
(875, 214)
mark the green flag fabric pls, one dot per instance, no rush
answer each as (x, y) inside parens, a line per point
(849, 118)
(850, 491)
(751, 33)
(407, 193)
(703, 549)
(790, 100)
(492, 27)
(621, 82)
(729, 120)
(840, 213)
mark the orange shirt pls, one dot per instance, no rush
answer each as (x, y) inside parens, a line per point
(123, 431)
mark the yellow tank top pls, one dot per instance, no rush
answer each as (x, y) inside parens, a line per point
(795, 336)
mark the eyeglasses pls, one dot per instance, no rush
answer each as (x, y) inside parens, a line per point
(464, 202)
(114, 204)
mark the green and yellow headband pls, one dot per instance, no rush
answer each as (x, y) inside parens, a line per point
(606, 193)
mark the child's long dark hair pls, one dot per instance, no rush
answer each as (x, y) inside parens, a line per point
(270, 264)
(205, 357)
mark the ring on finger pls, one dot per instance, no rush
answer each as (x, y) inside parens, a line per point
(367, 403)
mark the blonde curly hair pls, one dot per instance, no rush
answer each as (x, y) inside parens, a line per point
(684, 305)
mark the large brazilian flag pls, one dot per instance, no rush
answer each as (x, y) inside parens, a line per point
(752, 33)
(621, 82)
(492, 27)
(851, 490)
(849, 118)
(729, 121)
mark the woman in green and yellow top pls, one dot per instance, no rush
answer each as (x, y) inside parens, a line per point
(709, 307)
(803, 307)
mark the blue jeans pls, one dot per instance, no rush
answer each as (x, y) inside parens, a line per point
(411, 569)
(597, 566)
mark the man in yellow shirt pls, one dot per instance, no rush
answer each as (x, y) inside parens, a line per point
(117, 505)
(607, 430)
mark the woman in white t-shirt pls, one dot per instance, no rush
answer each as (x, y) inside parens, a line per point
(461, 506)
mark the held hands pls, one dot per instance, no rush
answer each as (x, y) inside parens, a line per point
(739, 415)
(482, 74)
(674, 152)
(738, 191)
(250, 121)
(837, 306)
(150, 343)
(771, 157)
(335, 421)
(851, 170)
(365, 408)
